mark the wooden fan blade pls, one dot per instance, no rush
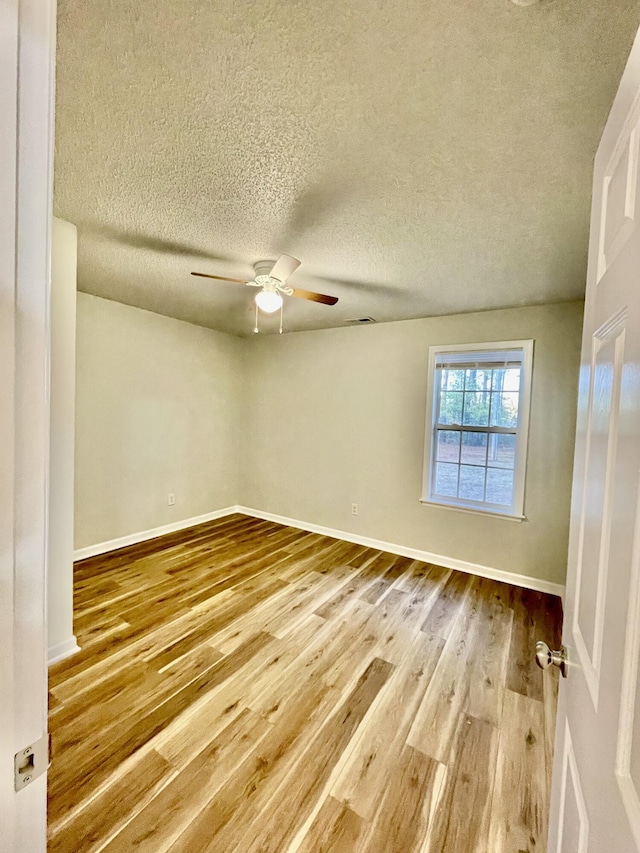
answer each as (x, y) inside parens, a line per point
(284, 267)
(220, 277)
(314, 297)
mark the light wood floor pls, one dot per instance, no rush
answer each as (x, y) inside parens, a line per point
(244, 686)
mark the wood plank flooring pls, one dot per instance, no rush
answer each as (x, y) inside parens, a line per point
(244, 686)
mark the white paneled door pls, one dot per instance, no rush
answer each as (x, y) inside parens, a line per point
(596, 785)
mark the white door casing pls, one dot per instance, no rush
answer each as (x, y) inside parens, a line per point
(27, 53)
(596, 780)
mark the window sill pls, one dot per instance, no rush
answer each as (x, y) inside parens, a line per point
(472, 510)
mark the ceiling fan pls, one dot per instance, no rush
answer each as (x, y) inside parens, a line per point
(272, 279)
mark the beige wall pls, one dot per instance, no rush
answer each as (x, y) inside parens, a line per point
(306, 424)
(157, 412)
(64, 245)
(338, 416)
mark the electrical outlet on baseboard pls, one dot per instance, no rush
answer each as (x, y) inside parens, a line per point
(354, 509)
(171, 499)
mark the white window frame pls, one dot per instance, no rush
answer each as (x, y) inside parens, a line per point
(516, 510)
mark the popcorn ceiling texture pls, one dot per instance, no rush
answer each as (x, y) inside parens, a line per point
(421, 157)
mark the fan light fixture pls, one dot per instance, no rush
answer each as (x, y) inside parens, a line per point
(272, 278)
(268, 301)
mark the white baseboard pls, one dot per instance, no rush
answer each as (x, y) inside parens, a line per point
(425, 556)
(391, 547)
(62, 650)
(135, 538)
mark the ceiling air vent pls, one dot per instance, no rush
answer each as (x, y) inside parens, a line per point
(360, 321)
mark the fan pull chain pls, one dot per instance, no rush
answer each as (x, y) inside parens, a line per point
(256, 330)
(281, 308)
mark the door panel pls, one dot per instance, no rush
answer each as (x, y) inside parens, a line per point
(574, 822)
(628, 747)
(595, 803)
(607, 361)
(619, 197)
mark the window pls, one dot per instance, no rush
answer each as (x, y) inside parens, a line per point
(478, 417)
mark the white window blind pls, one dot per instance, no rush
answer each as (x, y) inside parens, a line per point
(479, 360)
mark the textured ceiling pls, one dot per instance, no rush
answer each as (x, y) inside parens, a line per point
(420, 158)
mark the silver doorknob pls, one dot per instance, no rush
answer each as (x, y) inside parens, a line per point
(545, 657)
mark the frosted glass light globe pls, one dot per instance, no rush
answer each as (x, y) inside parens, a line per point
(268, 301)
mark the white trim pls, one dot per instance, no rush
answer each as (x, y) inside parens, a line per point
(415, 554)
(9, 639)
(391, 547)
(63, 650)
(442, 505)
(142, 536)
(516, 510)
(27, 78)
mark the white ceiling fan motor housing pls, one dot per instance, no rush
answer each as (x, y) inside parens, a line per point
(263, 278)
(263, 268)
